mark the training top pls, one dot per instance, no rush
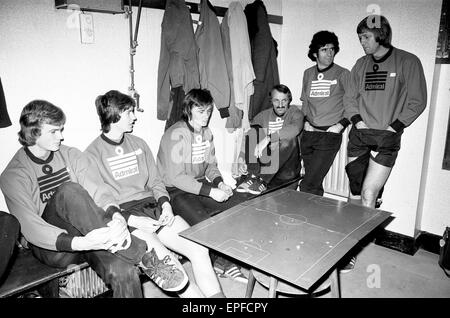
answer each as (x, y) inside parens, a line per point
(128, 167)
(390, 91)
(28, 183)
(185, 156)
(323, 94)
(288, 126)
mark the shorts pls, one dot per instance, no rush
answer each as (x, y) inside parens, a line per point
(144, 207)
(385, 143)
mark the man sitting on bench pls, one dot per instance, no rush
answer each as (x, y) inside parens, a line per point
(67, 213)
(271, 152)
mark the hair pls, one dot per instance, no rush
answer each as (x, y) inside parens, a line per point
(110, 106)
(379, 26)
(320, 39)
(282, 89)
(196, 98)
(34, 115)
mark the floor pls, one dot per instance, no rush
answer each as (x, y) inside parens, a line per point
(379, 273)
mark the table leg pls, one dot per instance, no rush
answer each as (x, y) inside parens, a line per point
(335, 288)
(250, 284)
(273, 287)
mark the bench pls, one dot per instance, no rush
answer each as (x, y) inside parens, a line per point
(26, 273)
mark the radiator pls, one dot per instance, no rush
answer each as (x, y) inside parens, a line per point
(336, 181)
(84, 283)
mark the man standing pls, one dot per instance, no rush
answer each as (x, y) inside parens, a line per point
(387, 93)
(324, 86)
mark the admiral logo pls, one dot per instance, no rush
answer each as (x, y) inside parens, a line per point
(376, 80)
(124, 165)
(199, 150)
(276, 125)
(321, 87)
(51, 181)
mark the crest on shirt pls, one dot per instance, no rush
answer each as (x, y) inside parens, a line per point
(50, 181)
(275, 125)
(199, 149)
(321, 87)
(124, 165)
(376, 80)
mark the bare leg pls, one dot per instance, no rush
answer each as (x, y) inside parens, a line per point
(198, 255)
(375, 179)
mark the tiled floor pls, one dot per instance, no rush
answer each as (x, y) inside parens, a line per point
(379, 273)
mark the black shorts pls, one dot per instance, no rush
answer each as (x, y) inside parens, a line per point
(385, 143)
(143, 207)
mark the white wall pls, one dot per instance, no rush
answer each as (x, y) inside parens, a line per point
(415, 28)
(435, 208)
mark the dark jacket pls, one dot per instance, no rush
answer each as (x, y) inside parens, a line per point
(178, 60)
(264, 57)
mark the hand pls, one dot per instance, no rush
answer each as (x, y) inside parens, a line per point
(98, 239)
(120, 235)
(307, 126)
(337, 128)
(391, 129)
(167, 216)
(361, 125)
(261, 146)
(226, 188)
(144, 223)
(218, 195)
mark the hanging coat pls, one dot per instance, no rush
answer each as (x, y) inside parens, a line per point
(4, 117)
(178, 60)
(212, 67)
(264, 57)
(235, 23)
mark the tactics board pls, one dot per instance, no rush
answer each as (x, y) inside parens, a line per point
(294, 236)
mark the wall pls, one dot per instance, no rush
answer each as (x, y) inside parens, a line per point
(435, 209)
(415, 28)
(41, 57)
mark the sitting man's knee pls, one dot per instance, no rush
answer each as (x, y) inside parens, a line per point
(69, 188)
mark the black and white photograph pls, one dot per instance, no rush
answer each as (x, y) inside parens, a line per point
(218, 156)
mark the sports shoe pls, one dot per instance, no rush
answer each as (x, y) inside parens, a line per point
(378, 203)
(349, 267)
(253, 185)
(166, 273)
(243, 187)
(258, 186)
(232, 271)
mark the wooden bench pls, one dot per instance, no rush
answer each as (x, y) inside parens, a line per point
(27, 273)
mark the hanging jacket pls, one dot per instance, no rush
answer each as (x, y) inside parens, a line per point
(264, 57)
(212, 66)
(241, 64)
(4, 117)
(178, 60)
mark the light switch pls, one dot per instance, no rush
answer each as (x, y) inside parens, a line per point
(86, 28)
